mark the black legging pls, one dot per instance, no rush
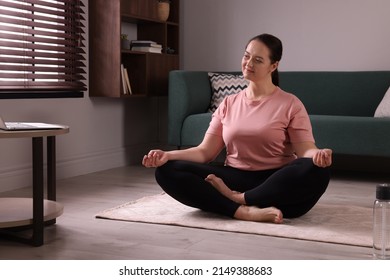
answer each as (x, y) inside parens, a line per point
(294, 188)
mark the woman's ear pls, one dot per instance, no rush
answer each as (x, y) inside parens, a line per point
(274, 66)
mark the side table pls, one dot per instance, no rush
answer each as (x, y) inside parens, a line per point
(36, 211)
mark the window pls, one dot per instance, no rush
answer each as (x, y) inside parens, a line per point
(42, 50)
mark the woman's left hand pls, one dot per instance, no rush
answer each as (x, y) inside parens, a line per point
(323, 157)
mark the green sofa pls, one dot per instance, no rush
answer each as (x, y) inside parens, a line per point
(341, 106)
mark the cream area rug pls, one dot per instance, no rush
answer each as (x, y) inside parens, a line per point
(340, 224)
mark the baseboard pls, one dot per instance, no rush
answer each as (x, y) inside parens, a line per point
(19, 176)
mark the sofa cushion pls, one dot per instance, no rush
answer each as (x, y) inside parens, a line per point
(337, 93)
(383, 110)
(223, 85)
(351, 135)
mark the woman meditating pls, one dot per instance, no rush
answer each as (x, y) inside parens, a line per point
(273, 168)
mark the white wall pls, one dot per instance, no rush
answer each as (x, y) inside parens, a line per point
(317, 34)
(104, 133)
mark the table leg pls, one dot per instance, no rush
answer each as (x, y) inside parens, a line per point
(51, 168)
(38, 192)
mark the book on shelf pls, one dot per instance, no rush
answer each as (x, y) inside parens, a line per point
(145, 43)
(125, 81)
(147, 49)
(128, 82)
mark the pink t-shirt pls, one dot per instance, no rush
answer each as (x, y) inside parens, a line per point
(258, 134)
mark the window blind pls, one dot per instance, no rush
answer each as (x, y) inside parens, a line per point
(42, 46)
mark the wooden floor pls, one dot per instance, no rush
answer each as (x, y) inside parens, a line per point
(79, 235)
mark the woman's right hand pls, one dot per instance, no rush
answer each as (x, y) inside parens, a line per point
(155, 158)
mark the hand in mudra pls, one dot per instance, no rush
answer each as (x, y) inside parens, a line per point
(155, 158)
(323, 158)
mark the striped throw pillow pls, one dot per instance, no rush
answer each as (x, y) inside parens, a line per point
(223, 85)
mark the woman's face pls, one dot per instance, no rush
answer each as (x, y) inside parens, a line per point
(256, 64)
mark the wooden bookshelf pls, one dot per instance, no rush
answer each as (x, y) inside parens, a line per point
(148, 72)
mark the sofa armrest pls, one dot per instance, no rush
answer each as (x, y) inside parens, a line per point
(189, 93)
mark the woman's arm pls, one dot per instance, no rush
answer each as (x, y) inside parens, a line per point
(321, 157)
(206, 151)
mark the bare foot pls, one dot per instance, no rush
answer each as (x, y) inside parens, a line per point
(256, 214)
(219, 184)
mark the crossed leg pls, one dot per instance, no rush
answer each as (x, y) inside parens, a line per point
(220, 185)
(244, 212)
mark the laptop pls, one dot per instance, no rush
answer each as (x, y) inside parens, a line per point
(13, 126)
